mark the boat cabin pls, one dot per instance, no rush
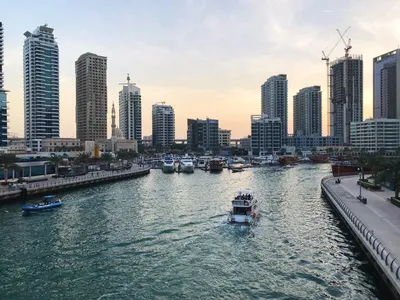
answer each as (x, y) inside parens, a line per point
(243, 203)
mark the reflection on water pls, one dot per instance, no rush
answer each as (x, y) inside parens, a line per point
(166, 236)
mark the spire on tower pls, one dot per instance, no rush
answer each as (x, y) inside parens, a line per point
(113, 121)
(128, 78)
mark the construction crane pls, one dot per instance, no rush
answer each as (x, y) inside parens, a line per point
(326, 58)
(347, 45)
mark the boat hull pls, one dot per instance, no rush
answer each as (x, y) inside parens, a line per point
(241, 219)
(343, 170)
(41, 207)
(187, 168)
(168, 169)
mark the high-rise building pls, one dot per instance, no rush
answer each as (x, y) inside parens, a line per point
(41, 86)
(113, 126)
(307, 112)
(266, 135)
(224, 137)
(274, 99)
(202, 134)
(130, 111)
(3, 96)
(387, 85)
(163, 125)
(91, 97)
(346, 90)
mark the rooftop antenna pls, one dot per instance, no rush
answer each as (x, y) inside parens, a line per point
(128, 79)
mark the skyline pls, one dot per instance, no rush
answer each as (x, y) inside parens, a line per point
(206, 59)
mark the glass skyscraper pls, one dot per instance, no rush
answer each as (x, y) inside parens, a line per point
(41, 86)
(3, 97)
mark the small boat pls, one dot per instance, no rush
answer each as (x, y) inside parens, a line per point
(237, 170)
(187, 165)
(216, 165)
(48, 203)
(168, 165)
(244, 208)
(288, 166)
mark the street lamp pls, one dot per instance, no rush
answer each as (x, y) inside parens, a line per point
(360, 182)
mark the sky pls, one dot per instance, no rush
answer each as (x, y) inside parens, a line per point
(206, 58)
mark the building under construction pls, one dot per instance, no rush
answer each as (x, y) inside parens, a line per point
(346, 95)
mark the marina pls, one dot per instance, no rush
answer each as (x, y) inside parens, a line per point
(166, 235)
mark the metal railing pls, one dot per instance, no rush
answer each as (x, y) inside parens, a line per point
(390, 260)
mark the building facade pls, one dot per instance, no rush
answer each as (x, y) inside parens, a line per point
(245, 143)
(224, 137)
(346, 90)
(305, 142)
(130, 111)
(373, 135)
(3, 96)
(61, 145)
(91, 97)
(41, 86)
(307, 111)
(266, 135)
(163, 125)
(386, 85)
(202, 134)
(274, 99)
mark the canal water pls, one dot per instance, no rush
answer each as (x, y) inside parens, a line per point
(165, 236)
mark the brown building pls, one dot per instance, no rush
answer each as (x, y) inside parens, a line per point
(91, 97)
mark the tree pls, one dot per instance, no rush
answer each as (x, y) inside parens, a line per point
(391, 174)
(376, 163)
(329, 150)
(83, 158)
(107, 158)
(55, 161)
(363, 162)
(127, 155)
(7, 162)
(314, 149)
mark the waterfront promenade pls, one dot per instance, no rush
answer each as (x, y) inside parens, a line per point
(376, 225)
(58, 184)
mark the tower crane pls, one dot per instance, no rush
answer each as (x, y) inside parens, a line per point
(326, 58)
(347, 45)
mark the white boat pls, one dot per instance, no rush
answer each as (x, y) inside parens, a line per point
(237, 169)
(187, 165)
(244, 208)
(288, 166)
(237, 160)
(168, 165)
(202, 162)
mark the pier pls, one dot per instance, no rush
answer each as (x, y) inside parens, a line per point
(52, 185)
(375, 225)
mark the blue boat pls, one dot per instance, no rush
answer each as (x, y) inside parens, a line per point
(48, 203)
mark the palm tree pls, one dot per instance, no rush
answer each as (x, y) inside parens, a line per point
(363, 162)
(55, 161)
(83, 158)
(376, 163)
(107, 158)
(7, 162)
(391, 173)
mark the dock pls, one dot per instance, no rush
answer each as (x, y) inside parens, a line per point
(375, 225)
(53, 185)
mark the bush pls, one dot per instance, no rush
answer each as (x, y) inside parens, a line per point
(395, 201)
(368, 185)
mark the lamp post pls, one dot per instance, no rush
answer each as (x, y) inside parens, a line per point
(360, 182)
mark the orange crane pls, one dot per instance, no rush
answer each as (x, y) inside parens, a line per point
(326, 58)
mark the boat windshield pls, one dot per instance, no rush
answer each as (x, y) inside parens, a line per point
(244, 195)
(49, 197)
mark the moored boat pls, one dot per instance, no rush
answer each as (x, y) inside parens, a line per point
(288, 160)
(244, 208)
(47, 203)
(215, 165)
(168, 165)
(237, 169)
(187, 165)
(320, 158)
(342, 168)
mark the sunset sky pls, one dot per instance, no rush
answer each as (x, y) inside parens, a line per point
(205, 58)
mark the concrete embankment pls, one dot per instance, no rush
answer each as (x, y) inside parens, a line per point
(61, 184)
(374, 225)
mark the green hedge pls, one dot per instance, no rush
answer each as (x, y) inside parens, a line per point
(368, 185)
(395, 201)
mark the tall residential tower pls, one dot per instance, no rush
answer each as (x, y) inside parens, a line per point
(130, 111)
(387, 85)
(91, 97)
(3, 97)
(274, 99)
(346, 78)
(307, 112)
(163, 125)
(41, 86)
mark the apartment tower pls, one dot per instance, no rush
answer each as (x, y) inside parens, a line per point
(91, 97)
(307, 112)
(274, 99)
(387, 85)
(41, 86)
(130, 111)
(163, 125)
(3, 96)
(346, 90)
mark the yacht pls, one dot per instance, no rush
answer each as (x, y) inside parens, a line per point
(187, 165)
(202, 162)
(216, 165)
(244, 208)
(168, 165)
